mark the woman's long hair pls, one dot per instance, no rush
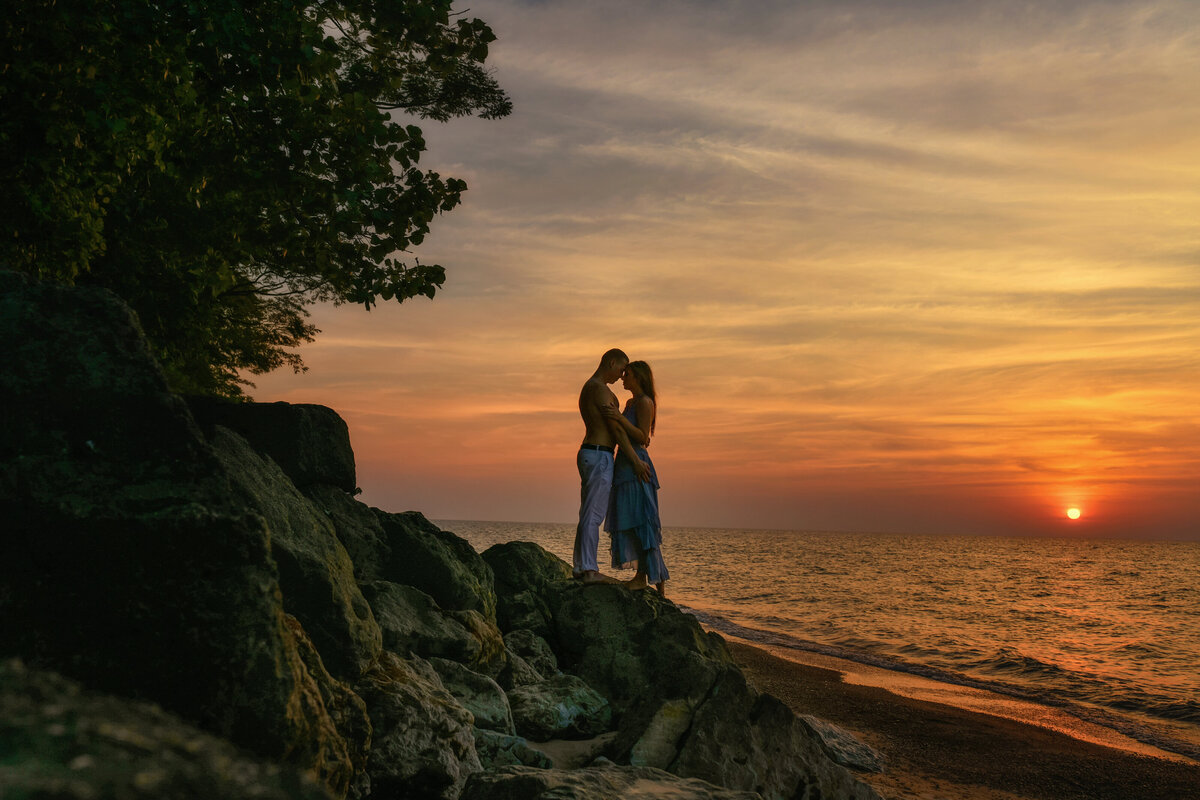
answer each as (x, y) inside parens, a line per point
(645, 379)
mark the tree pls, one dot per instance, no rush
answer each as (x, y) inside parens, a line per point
(222, 164)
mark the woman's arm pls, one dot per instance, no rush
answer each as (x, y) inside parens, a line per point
(636, 434)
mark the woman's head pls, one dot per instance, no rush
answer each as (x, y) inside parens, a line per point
(640, 372)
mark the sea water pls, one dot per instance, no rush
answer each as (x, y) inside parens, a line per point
(1108, 631)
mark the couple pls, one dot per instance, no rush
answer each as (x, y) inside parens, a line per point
(619, 486)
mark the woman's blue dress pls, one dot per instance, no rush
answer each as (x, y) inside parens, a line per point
(632, 519)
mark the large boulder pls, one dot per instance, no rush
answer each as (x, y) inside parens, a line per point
(315, 573)
(532, 649)
(124, 562)
(58, 740)
(310, 443)
(413, 622)
(525, 579)
(477, 693)
(746, 740)
(357, 527)
(439, 563)
(607, 782)
(636, 648)
(679, 701)
(423, 744)
(346, 740)
(504, 750)
(562, 707)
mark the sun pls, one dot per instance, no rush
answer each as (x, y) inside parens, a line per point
(1074, 513)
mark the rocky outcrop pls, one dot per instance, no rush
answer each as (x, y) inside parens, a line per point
(310, 443)
(124, 562)
(562, 707)
(439, 563)
(315, 573)
(594, 783)
(58, 740)
(212, 560)
(423, 745)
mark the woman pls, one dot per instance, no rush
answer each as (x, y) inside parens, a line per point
(632, 520)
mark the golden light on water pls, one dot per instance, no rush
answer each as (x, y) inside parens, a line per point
(1074, 513)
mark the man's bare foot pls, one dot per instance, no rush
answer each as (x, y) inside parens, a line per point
(636, 582)
(592, 576)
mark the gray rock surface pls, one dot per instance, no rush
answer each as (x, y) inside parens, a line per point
(358, 529)
(503, 750)
(594, 783)
(315, 572)
(125, 563)
(562, 707)
(411, 621)
(310, 443)
(423, 744)
(60, 741)
(533, 649)
(442, 565)
(525, 576)
(844, 747)
(477, 693)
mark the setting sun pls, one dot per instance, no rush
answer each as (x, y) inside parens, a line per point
(1073, 513)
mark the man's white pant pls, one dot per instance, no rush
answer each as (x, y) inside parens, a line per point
(595, 483)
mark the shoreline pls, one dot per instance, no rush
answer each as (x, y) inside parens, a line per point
(940, 742)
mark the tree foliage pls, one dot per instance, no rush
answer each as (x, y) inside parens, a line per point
(223, 164)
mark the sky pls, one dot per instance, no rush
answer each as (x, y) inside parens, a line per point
(927, 267)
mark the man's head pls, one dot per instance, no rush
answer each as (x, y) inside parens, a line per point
(612, 365)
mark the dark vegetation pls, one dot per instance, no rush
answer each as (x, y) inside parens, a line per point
(222, 165)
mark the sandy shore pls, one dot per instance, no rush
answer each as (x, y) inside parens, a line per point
(936, 751)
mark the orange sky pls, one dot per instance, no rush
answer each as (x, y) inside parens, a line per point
(913, 267)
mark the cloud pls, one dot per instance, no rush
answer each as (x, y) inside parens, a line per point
(864, 244)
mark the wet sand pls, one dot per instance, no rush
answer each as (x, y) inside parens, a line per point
(940, 751)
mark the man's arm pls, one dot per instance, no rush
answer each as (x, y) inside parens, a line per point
(640, 468)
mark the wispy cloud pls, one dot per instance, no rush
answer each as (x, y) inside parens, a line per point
(869, 247)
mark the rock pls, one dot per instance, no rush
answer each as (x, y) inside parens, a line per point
(658, 745)
(745, 740)
(517, 672)
(358, 529)
(477, 693)
(843, 746)
(310, 443)
(533, 649)
(423, 745)
(562, 707)
(492, 652)
(442, 565)
(680, 702)
(315, 573)
(594, 783)
(57, 740)
(412, 622)
(501, 750)
(124, 562)
(524, 575)
(351, 739)
(635, 648)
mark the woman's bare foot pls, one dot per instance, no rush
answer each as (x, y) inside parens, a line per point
(661, 586)
(636, 582)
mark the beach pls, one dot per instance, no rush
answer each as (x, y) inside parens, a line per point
(938, 751)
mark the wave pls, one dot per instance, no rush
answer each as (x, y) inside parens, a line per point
(1099, 704)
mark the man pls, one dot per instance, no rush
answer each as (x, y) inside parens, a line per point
(595, 461)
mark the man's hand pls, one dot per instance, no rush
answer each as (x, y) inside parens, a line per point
(641, 469)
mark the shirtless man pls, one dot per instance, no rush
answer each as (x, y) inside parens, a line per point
(595, 461)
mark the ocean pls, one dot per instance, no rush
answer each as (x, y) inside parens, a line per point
(1107, 631)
